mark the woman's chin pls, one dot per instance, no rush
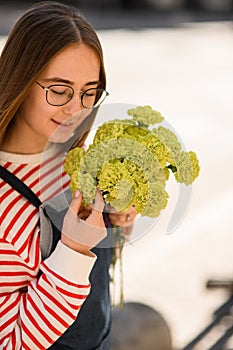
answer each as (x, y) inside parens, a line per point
(61, 134)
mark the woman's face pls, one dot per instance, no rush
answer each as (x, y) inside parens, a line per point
(37, 122)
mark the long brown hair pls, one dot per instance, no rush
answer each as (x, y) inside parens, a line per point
(40, 34)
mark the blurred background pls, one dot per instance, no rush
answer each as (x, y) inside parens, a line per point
(132, 14)
(177, 56)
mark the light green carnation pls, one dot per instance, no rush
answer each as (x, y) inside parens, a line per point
(111, 173)
(195, 164)
(150, 199)
(145, 115)
(124, 190)
(73, 159)
(107, 131)
(134, 132)
(74, 184)
(157, 148)
(184, 173)
(140, 197)
(170, 141)
(157, 200)
(88, 187)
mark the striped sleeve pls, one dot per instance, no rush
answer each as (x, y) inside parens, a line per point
(34, 312)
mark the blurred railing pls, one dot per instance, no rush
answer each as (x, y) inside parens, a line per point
(219, 333)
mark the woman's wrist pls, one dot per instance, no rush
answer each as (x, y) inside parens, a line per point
(78, 247)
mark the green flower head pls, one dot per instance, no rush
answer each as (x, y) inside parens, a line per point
(187, 167)
(73, 159)
(145, 115)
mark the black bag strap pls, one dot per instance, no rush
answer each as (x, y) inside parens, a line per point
(19, 186)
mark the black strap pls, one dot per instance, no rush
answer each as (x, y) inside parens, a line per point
(19, 186)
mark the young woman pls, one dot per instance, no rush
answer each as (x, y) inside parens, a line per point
(51, 79)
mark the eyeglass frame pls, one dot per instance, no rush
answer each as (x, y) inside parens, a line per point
(73, 91)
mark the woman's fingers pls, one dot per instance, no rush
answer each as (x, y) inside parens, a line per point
(96, 216)
(99, 203)
(84, 214)
(76, 203)
(123, 218)
(83, 229)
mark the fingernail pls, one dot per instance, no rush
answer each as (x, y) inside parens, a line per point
(76, 194)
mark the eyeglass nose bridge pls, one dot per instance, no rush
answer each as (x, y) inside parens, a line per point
(80, 93)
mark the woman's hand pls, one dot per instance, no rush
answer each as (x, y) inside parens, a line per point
(83, 233)
(124, 219)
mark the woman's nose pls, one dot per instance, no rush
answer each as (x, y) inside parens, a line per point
(74, 105)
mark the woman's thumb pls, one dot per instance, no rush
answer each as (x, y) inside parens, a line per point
(76, 202)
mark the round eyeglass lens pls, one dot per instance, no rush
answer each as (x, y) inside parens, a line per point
(59, 95)
(93, 97)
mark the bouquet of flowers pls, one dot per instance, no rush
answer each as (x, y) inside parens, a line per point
(130, 161)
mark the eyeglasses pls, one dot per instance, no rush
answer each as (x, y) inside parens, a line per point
(59, 95)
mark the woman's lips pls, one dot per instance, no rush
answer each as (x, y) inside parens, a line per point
(66, 124)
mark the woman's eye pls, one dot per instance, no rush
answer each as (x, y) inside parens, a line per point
(58, 92)
(90, 94)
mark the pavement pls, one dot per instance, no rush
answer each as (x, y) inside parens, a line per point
(184, 70)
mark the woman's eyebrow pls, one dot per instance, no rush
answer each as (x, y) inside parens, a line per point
(69, 82)
(97, 82)
(58, 80)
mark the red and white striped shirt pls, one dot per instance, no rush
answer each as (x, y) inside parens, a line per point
(34, 311)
